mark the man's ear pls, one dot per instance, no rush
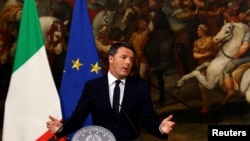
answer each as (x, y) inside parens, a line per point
(111, 58)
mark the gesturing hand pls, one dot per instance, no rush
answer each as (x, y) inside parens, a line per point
(167, 125)
(54, 125)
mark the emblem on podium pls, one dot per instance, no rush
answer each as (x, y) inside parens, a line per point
(93, 133)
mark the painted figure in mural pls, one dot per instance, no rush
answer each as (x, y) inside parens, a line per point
(210, 13)
(233, 14)
(204, 51)
(121, 14)
(62, 10)
(239, 58)
(231, 35)
(102, 21)
(139, 39)
(170, 6)
(183, 20)
(159, 49)
(10, 16)
(101, 25)
(130, 19)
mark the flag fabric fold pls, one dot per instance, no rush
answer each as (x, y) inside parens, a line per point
(82, 63)
(32, 94)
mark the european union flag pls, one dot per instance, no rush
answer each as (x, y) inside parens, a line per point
(82, 63)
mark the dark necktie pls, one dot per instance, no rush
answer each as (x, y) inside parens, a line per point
(116, 98)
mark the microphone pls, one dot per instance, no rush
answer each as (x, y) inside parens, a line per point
(82, 105)
(130, 122)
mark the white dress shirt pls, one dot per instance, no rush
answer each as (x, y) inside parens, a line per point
(111, 82)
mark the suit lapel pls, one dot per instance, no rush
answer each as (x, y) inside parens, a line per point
(128, 91)
(104, 87)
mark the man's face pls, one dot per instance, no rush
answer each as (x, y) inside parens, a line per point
(200, 32)
(121, 63)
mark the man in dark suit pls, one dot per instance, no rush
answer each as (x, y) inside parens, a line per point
(135, 104)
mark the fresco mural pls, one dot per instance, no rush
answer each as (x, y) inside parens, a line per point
(186, 49)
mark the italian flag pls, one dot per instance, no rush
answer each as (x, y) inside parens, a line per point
(32, 95)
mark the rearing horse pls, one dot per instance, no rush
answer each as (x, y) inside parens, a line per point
(230, 35)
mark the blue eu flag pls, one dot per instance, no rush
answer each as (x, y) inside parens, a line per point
(82, 63)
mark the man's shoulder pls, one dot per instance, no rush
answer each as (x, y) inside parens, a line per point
(97, 80)
(136, 79)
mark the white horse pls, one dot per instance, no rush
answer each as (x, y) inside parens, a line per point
(231, 35)
(53, 33)
(52, 28)
(102, 22)
(107, 19)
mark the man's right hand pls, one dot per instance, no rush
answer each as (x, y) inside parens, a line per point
(54, 125)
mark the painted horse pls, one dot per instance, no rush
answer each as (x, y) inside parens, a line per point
(107, 19)
(54, 38)
(230, 35)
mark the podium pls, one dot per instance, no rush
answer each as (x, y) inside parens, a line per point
(93, 133)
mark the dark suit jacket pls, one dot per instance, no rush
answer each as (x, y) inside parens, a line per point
(136, 109)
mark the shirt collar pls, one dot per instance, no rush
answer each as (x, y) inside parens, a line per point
(112, 79)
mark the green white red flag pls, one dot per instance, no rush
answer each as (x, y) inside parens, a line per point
(32, 94)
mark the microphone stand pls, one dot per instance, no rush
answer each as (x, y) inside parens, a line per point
(130, 122)
(69, 119)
